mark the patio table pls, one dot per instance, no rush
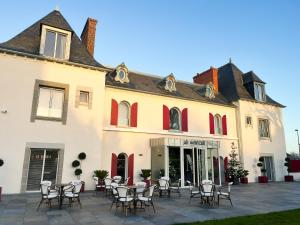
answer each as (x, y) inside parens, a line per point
(61, 187)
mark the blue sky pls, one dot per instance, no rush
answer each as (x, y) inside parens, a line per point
(186, 37)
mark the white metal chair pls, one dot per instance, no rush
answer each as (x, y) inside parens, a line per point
(140, 188)
(98, 187)
(175, 187)
(207, 192)
(147, 197)
(193, 192)
(225, 195)
(114, 194)
(74, 192)
(47, 194)
(107, 184)
(117, 179)
(164, 186)
(124, 198)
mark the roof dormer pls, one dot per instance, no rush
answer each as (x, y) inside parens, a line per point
(169, 83)
(122, 73)
(55, 42)
(255, 86)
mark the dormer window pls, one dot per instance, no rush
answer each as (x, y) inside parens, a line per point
(122, 74)
(170, 83)
(55, 43)
(259, 92)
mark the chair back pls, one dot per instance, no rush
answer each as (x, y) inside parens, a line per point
(45, 187)
(140, 186)
(207, 186)
(163, 183)
(114, 188)
(151, 191)
(122, 191)
(126, 181)
(229, 187)
(165, 178)
(117, 179)
(77, 184)
(190, 185)
(107, 181)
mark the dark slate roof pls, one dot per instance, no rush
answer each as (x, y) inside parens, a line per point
(231, 85)
(152, 85)
(251, 77)
(28, 41)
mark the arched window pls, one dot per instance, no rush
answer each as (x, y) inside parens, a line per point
(124, 114)
(175, 119)
(218, 124)
(122, 165)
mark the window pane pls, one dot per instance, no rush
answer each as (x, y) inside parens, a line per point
(43, 108)
(174, 119)
(264, 128)
(123, 117)
(49, 43)
(60, 46)
(218, 129)
(84, 97)
(57, 99)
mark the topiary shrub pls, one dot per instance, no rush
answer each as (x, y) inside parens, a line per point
(1, 162)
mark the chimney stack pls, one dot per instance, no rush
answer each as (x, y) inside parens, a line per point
(210, 75)
(88, 35)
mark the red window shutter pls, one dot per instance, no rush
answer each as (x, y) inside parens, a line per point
(133, 115)
(184, 119)
(224, 125)
(211, 123)
(130, 169)
(166, 118)
(114, 112)
(114, 162)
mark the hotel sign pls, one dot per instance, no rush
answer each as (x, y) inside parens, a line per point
(194, 142)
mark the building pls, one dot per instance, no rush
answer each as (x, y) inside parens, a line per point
(57, 101)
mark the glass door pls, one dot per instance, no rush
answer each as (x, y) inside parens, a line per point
(174, 164)
(188, 165)
(42, 166)
(268, 165)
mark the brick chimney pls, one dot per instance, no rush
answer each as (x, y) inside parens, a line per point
(88, 35)
(210, 75)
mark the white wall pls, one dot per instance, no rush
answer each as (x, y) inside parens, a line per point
(82, 133)
(150, 125)
(254, 147)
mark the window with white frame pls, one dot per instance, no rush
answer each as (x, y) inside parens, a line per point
(124, 114)
(55, 43)
(50, 103)
(264, 128)
(218, 124)
(248, 121)
(84, 97)
(259, 92)
(175, 119)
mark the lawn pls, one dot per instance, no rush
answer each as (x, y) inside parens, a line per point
(291, 217)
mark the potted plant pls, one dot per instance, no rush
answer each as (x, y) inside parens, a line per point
(101, 174)
(243, 176)
(1, 164)
(288, 178)
(234, 169)
(77, 165)
(146, 174)
(263, 178)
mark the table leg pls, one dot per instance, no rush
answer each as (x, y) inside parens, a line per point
(61, 197)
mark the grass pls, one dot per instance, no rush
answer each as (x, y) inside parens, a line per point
(291, 217)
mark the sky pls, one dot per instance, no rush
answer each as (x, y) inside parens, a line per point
(185, 37)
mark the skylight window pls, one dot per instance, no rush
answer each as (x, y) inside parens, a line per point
(55, 43)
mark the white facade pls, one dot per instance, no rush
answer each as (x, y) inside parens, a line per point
(81, 133)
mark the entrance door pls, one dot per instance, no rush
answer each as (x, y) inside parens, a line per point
(174, 164)
(188, 165)
(268, 165)
(42, 166)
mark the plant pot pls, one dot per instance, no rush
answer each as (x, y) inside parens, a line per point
(0, 192)
(147, 181)
(288, 178)
(262, 179)
(82, 187)
(234, 180)
(101, 184)
(244, 180)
